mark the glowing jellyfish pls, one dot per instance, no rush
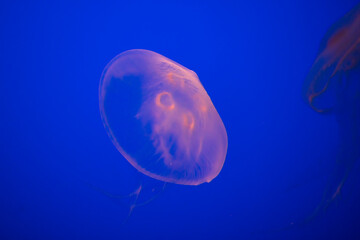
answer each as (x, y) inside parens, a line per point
(338, 55)
(333, 86)
(160, 118)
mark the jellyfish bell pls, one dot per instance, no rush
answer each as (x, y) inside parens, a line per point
(160, 118)
(339, 53)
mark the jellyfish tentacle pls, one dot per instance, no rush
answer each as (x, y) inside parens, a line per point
(152, 198)
(136, 193)
(108, 194)
(132, 195)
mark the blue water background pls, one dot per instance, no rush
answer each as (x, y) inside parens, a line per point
(252, 58)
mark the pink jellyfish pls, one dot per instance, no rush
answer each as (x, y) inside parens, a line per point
(160, 118)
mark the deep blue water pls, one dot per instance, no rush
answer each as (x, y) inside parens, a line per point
(252, 58)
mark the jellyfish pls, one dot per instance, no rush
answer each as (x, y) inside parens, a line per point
(333, 87)
(161, 119)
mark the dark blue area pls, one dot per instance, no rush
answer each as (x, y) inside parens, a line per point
(252, 58)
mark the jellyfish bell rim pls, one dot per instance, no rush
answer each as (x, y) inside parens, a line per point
(132, 162)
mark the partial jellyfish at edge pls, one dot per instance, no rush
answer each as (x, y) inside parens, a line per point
(333, 87)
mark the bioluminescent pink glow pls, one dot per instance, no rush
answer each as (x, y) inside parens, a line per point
(161, 119)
